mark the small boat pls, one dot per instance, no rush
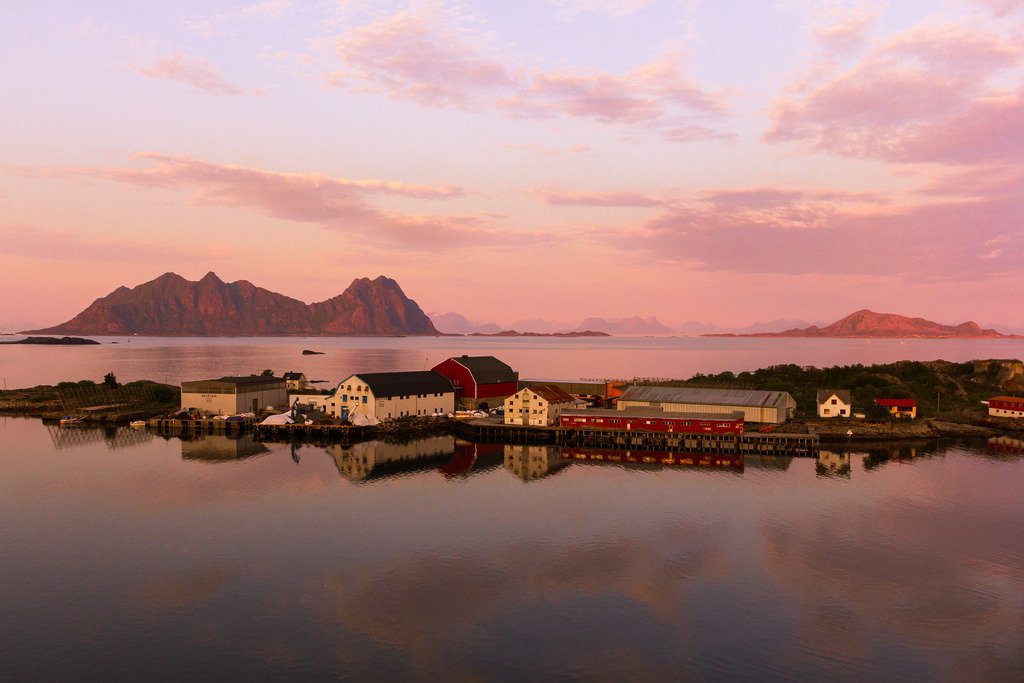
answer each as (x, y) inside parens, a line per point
(138, 424)
(68, 420)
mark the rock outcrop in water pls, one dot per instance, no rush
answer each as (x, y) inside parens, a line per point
(867, 323)
(170, 305)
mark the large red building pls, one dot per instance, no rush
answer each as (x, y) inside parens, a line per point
(1006, 406)
(479, 380)
(652, 420)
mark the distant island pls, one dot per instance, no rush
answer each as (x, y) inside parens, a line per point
(54, 341)
(513, 333)
(171, 306)
(868, 324)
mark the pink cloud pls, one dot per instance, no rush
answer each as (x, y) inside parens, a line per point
(847, 33)
(420, 58)
(900, 100)
(194, 71)
(796, 232)
(336, 204)
(559, 197)
(425, 58)
(1001, 8)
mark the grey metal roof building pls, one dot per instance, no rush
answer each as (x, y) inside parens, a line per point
(772, 407)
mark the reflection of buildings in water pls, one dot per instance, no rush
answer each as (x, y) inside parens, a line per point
(897, 452)
(653, 459)
(532, 462)
(472, 457)
(832, 464)
(1006, 445)
(372, 459)
(220, 448)
(115, 437)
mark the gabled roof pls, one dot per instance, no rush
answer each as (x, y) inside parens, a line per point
(638, 413)
(405, 383)
(896, 402)
(487, 369)
(551, 393)
(251, 380)
(293, 376)
(842, 394)
(713, 397)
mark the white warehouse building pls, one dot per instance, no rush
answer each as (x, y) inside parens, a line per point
(387, 395)
(768, 407)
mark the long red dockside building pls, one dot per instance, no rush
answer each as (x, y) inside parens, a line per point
(652, 420)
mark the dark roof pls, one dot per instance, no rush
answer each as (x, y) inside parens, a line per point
(842, 394)
(405, 383)
(896, 402)
(238, 381)
(487, 369)
(293, 376)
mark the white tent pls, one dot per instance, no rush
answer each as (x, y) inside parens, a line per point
(281, 419)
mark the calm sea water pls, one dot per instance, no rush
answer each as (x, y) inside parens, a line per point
(132, 556)
(174, 360)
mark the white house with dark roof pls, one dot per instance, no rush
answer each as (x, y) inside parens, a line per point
(834, 403)
(387, 395)
(537, 406)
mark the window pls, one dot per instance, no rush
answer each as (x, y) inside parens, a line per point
(835, 401)
(364, 399)
(825, 411)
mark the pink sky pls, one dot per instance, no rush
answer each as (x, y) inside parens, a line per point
(720, 162)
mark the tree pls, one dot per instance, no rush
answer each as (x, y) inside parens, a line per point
(267, 373)
(110, 381)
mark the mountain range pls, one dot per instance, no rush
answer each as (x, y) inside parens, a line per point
(865, 323)
(170, 305)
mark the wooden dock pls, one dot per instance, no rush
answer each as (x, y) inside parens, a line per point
(754, 443)
(205, 426)
(323, 433)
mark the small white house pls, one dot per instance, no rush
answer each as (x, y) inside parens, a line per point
(537, 406)
(834, 403)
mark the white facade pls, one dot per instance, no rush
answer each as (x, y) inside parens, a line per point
(834, 406)
(317, 401)
(230, 396)
(536, 408)
(354, 396)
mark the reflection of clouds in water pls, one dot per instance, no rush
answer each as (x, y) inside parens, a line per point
(868, 577)
(608, 605)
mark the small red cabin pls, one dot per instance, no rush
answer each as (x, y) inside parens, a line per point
(652, 421)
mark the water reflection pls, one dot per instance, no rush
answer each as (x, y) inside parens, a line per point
(81, 435)
(532, 462)
(1006, 445)
(278, 570)
(220, 448)
(897, 452)
(832, 464)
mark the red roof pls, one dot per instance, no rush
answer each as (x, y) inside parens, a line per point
(896, 402)
(553, 394)
(1008, 399)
